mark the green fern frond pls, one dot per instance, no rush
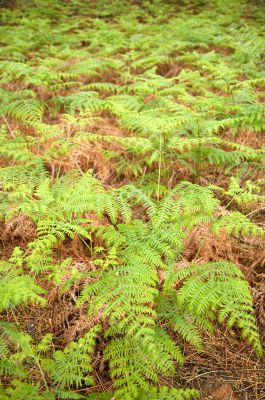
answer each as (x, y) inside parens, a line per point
(244, 195)
(16, 287)
(165, 393)
(219, 287)
(73, 365)
(27, 111)
(237, 224)
(22, 390)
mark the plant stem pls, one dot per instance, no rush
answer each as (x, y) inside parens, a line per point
(159, 167)
(8, 127)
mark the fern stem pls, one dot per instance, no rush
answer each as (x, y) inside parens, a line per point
(59, 169)
(199, 164)
(8, 127)
(159, 167)
(202, 243)
(42, 374)
(232, 95)
(14, 316)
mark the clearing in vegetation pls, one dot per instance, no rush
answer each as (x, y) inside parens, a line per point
(132, 200)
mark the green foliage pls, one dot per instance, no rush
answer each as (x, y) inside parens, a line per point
(21, 390)
(247, 194)
(16, 287)
(237, 224)
(73, 365)
(64, 368)
(165, 393)
(145, 350)
(217, 288)
(123, 127)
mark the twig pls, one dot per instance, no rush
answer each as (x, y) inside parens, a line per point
(204, 373)
(255, 211)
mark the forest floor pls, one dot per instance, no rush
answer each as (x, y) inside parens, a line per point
(140, 93)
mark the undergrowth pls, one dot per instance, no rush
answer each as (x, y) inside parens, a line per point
(124, 127)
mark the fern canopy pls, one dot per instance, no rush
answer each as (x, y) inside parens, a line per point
(131, 137)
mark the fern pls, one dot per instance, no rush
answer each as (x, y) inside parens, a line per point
(244, 195)
(16, 287)
(21, 390)
(218, 288)
(237, 224)
(171, 99)
(28, 111)
(143, 250)
(164, 393)
(73, 365)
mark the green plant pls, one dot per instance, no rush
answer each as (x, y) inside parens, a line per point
(124, 127)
